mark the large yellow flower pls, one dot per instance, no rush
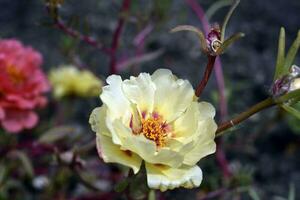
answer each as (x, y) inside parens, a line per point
(69, 80)
(155, 118)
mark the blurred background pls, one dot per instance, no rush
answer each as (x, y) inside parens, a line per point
(261, 155)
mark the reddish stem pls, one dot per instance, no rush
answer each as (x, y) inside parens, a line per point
(207, 73)
(117, 36)
(220, 155)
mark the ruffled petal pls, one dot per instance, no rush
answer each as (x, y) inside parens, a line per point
(206, 110)
(115, 100)
(30, 120)
(172, 95)
(140, 91)
(112, 153)
(163, 177)
(17, 120)
(204, 143)
(97, 121)
(187, 124)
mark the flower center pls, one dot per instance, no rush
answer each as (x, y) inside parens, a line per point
(155, 129)
(15, 74)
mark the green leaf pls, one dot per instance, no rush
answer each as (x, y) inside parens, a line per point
(292, 195)
(227, 17)
(192, 29)
(292, 121)
(229, 41)
(26, 162)
(290, 57)
(2, 173)
(58, 133)
(151, 195)
(121, 186)
(291, 110)
(280, 54)
(253, 194)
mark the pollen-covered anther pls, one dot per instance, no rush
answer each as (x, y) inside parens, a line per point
(155, 129)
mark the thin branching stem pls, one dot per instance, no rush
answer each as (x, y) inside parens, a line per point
(60, 24)
(245, 115)
(289, 97)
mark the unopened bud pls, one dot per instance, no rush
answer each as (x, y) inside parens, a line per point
(213, 40)
(287, 83)
(281, 86)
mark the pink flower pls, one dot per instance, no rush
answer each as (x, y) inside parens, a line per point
(22, 85)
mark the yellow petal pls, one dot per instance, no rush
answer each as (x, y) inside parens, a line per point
(172, 95)
(69, 80)
(140, 91)
(187, 124)
(87, 84)
(97, 121)
(204, 143)
(206, 110)
(112, 153)
(186, 127)
(113, 97)
(164, 178)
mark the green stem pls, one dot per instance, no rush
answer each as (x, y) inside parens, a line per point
(245, 115)
(290, 97)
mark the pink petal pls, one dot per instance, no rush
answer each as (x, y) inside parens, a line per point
(2, 113)
(11, 125)
(30, 120)
(17, 120)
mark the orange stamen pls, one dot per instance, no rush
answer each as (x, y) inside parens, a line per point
(154, 128)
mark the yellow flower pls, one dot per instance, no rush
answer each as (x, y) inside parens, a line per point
(157, 119)
(68, 80)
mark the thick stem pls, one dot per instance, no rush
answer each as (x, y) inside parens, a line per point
(116, 37)
(207, 73)
(245, 115)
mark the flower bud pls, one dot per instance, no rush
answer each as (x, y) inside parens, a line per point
(213, 40)
(287, 83)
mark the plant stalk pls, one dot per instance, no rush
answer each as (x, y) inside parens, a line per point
(269, 102)
(207, 73)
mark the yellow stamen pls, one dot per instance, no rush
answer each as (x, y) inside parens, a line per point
(154, 129)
